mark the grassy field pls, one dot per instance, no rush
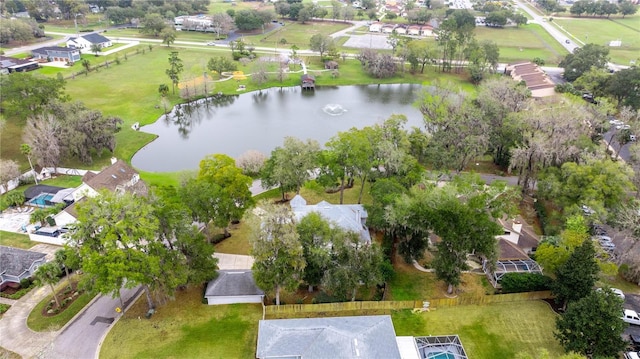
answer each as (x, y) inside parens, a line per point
(185, 328)
(16, 240)
(523, 43)
(493, 331)
(602, 31)
(8, 354)
(300, 34)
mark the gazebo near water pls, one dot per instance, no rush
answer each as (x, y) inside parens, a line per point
(308, 82)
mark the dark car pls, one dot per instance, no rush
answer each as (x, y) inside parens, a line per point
(635, 341)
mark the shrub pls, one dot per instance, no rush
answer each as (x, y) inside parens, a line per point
(524, 282)
(323, 297)
(25, 283)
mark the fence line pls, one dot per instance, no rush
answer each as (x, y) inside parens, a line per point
(395, 305)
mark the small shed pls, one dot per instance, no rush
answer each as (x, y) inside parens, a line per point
(331, 65)
(233, 286)
(308, 82)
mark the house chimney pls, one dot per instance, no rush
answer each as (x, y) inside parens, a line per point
(517, 227)
(113, 160)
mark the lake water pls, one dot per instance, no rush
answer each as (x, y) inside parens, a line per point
(260, 121)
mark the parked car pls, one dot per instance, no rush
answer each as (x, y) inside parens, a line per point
(603, 237)
(615, 291)
(622, 127)
(631, 355)
(609, 246)
(211, 43)
(635, 341)
(631, 317)
(587, 210)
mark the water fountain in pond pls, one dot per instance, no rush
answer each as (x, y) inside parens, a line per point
(333, 109)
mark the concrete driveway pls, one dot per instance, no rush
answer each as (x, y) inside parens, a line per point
(233, 261)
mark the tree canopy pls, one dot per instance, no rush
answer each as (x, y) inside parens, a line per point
(584, 58)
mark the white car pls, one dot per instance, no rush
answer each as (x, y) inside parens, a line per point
(631, 317)
(622, 127)
(211, 43)
(615, 291)
(631, 355)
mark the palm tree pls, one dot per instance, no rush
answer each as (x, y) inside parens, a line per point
(49, 273)
(25, 149)
(96, 48)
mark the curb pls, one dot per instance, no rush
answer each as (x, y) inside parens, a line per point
(75, 317)
(135, 298)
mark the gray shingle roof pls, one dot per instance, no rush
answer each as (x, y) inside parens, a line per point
(320, 338)
(44, 50)
(232, 283)
(95, 38)
(14, 261)
(346, 216)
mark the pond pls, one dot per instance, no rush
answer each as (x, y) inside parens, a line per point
(261, 120)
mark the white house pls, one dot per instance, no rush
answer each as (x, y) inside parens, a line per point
(119, 177)
(86, 41)
(351, 217)
(233, 286)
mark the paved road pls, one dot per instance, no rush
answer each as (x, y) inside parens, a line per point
(560, 36)
(82, 338)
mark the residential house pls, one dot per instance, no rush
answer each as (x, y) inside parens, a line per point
(18, 264)
(413, 30)
(426, 30)
(375, 27)
(320, 338)
(85, 42)
(401, 30)
(513, 246)
(350, 217)
(351, 337)
(533, 76)
(56, 53)
(119, 178)
(233, 286)
(388, 28)
(10, 64)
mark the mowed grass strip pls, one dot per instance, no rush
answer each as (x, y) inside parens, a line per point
(496, 331)
(300, 34)
(603, 31)
(185, 328)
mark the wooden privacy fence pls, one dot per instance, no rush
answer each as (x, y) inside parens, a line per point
(396, 305)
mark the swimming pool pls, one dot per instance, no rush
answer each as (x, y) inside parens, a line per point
(41, 200)
(441, 355)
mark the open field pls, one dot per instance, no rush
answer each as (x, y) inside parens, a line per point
(299, 34)
(602, 31)
(185, 328)
(523, 43)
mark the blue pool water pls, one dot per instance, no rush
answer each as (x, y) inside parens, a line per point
(41, 200)
(441, 355)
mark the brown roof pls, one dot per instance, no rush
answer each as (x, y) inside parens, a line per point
(509, 251)
(117, 176)
(528, 238)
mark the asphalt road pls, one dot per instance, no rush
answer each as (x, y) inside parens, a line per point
(560, 36)
(83, 337)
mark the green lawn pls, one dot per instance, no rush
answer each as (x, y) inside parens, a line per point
(492, 331)
(299, 34)
(39, 323)
(602, 31)
(185, 328)
(523, 43)
(16, 240)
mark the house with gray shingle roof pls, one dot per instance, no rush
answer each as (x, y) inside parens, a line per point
(56, 53)
(18, 264)
(355, 337)
(86, 41)
(233, 286)
(350, 217)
